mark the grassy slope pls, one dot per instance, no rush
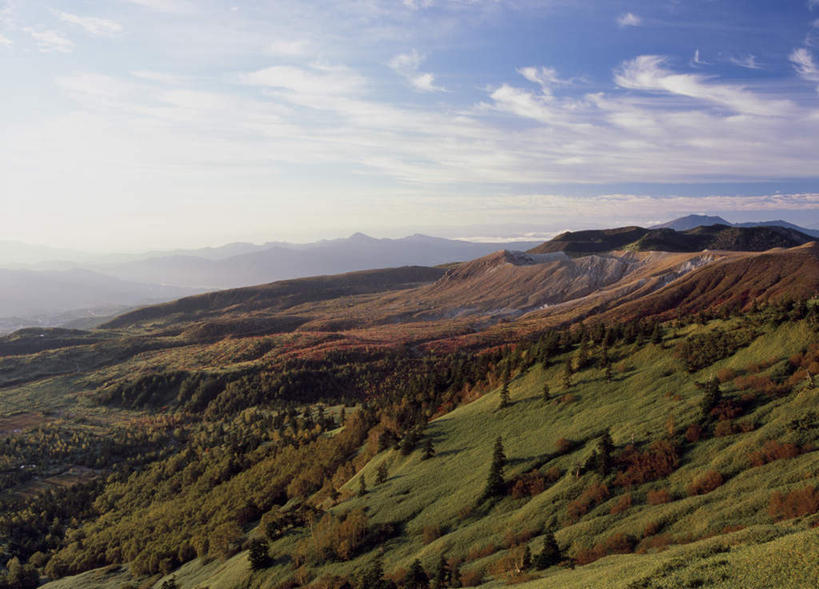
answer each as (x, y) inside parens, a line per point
(637, 403)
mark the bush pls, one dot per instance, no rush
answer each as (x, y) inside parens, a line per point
(431, 533)
(705, 483)
(591, 496)
(472, 578)
(774, 450)
(797, 503)
(622, 504)
(693, 433)
(658, 461)
(658, 497)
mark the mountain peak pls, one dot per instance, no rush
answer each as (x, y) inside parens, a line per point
(691, 221)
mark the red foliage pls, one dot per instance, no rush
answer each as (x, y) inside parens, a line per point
(658, 461)
(616, 544)
(704, 483)
(622, 504)
(563, 445)
(529, 485)
(693, 433)
(659, 496)
(591, 496)
(797, 503)
(773, 450)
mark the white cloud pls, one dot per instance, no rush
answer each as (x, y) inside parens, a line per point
(813, 4)
(698, 59)
(804, 65)
(5, 42)
(169, 6)
(546, 77)
(49, 41)
(629, 19)
(417, 4)
(407, 66)
(748, 62)
(93, 25)
(161, 77)
(288, 48)
(318, 80)
(647, 72)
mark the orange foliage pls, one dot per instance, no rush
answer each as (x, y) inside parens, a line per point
(616, 544)
(622, 504)
(705, 483)
(658, 461)
(797, 503)
(657, 497)
(591, 496)
(773, 450)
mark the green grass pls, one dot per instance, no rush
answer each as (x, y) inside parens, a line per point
(649, 386)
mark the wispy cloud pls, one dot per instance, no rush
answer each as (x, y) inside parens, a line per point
(629, 19)
(317, 80)
(803, 63)
(5, 42)
(91, 24)
(168, 6)
(49, 41)
(748, 62)
(698, 59)
(813, 4)
(288, 48)
(648, 72)
(407, 65)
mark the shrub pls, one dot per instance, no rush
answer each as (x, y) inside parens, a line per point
(658, 496)
(472, 578)
(657, 462)
(622, 504)
(563, 445)
(529, 485)
(774, 450)
(616, 544)
(478, 552)
(693, 433)
(797, 503)
(723, 428)
(705, 483)
(591, 496)
(431, 533)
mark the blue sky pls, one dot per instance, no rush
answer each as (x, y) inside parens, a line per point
(134, 124)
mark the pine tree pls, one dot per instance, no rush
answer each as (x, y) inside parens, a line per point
(381, 474)
(362, 487)
(608, 372)
(495, 485)
(429, 449)
(373, 577)
(504, 394)
(604, 448)
(526, 561)
(546, 395)
(442, 574)
(568, 370)
(416, 577)
(550, 555)
(258, 554)
(711, 398)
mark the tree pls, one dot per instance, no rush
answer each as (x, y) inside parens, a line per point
(550, 554)
(504, 394)
(604, 447)
(258, 554)
(442, 574)
(526, 561)
(608, 371)
(568, 371)
(711, 398)
(362, 486)
(373, 577)
(416, 577)
(381, 474)
(495, 485)
(546, 395)
(429, 449)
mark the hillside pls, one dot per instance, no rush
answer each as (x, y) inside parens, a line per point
(712, 237)
(692, 221)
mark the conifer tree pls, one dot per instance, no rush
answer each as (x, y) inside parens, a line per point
(526, 561)
(550, 555)
(504, 395)
(608, 372)
(416, 577)
(429, 449)
(568, 370)
(495, 485)
(381, 474)
(546, 395)
(711, 398)
(442, 574)
(258, 554)
(362, 487)
(604, 448)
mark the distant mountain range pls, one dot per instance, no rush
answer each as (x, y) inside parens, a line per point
(47, 287)
(692, 221)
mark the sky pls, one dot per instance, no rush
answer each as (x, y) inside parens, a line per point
(144, 124)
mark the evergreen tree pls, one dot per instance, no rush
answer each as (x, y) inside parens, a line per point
(381, 474)
(608, 372)
(416, 577)
(504, 394)
(429, 449)
(550, 555)
(604, 448)
(546, 395)
(258, 554)
(526, 561)
(711, 398)
(362, 486)
(495, 485)
(657, 334)
(373, 577)
(442, 574)
(568, 371)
